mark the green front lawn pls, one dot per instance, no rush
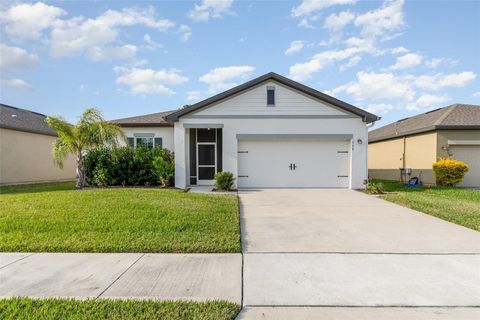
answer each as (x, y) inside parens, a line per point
(457, 205)
(26, 308)
(54, 217)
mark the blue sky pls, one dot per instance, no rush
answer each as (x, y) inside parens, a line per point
(393, 58)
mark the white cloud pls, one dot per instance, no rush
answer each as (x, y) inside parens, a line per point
(433, 63)
(439, 81)
(476, 94)
(399, 50)
(371, 85)
(16, 83)
(383, 22)
(427, 101)
(12, 60)
(303, 71)
(185, 32)
(351, 62)
(150, 43)
(295, 46)
(99, 53)
(224, 78)
(335, 22)
(308, 10)
(307, 7)
(78, 36)
(379, 108)
(26, 21)
(409, 60)
(194, 95)
(148, 81)
(210, 9)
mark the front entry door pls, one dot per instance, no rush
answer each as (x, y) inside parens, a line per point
(206, 162)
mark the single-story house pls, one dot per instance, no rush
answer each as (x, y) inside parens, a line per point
(413, 144)
(26, 149)
(269, 132)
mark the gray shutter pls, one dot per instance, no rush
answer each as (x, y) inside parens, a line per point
(158, 142)
(131, 142)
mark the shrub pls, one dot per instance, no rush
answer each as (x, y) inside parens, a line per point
(124, 166)
(224, 181)
(100, 177)
(164, 167)
(375, 188)
(449, 172)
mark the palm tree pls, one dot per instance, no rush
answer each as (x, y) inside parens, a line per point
(91, 131)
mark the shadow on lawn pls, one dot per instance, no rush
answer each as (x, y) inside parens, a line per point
(37, 187)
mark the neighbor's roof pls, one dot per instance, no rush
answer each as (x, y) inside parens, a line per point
(147, 120)
(369, 117)
(24, 120)
(456, 116)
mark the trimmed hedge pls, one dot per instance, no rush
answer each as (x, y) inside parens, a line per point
(449, 172)
(123, 166)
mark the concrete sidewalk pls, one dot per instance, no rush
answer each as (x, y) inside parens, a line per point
(197, 277)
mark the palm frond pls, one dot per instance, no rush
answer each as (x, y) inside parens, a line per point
(64, 130)
(94, 131)
(60, 151)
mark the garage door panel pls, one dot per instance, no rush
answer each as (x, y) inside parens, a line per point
(470, 154)
(293, 164)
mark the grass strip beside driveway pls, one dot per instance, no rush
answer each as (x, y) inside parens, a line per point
(457, 205)
(26, 308)
(117, 220)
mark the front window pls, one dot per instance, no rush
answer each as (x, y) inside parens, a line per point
(145, 142)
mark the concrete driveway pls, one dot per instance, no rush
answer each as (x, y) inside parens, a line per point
(340, 220)
(310, 249)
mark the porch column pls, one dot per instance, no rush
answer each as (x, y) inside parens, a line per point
(180, 156)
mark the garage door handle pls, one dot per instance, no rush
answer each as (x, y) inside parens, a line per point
(293, 166)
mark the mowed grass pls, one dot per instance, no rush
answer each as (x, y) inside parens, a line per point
(58, 219)
(457, 205)
(26, 308)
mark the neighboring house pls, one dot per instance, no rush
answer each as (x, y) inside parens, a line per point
(415, 143)
(26, 149)
(270, 132)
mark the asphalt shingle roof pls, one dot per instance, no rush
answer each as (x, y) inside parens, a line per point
(455, 116)
(24, 120)
(147, 120)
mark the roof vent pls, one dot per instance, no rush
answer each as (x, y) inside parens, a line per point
(14, 115)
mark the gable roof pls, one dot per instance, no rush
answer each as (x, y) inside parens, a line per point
(455, 116)
(18, 119)
(147, 120)
(367, 116)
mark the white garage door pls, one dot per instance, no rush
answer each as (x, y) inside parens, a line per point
(293, 164)
(471, 156)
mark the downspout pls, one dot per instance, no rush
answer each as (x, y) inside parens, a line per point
(369, 125)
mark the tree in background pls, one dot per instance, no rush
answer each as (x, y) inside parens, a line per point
(91, 132)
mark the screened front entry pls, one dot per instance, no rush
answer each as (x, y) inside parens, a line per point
(205, 155)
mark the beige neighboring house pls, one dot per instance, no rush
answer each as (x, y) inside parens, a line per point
(26, 149)
(415, 143)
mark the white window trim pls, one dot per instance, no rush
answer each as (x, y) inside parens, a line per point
(143, 135)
